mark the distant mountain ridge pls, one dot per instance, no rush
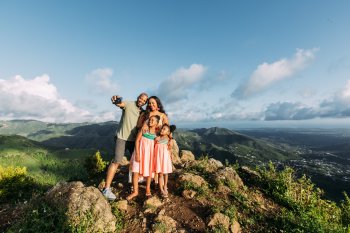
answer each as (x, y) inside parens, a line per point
(326, 169)
(220, 143)
(226, 145)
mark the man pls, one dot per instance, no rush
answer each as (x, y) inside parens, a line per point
(125, 136)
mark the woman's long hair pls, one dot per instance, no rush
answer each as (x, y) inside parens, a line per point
(159, 103)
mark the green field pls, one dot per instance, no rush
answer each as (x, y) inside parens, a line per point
(47, 166)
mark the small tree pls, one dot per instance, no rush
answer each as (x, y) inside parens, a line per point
(95, 164)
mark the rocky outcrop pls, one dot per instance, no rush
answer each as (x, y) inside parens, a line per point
(164, 224)
(207, 165)
(151, 204)
(235, 227)
(84, 205)
(186, 156)
(219, 220)
(229, 176)
(175, 153)
(194, 179)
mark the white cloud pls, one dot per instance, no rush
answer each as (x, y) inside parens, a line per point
(289, 111)
(100, 82)
(266, 75)
(345, 93)
(198, 111)
(225, 110)
(338, 106)
(39, 99)
(176, 86)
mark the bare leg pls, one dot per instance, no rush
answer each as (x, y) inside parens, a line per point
(112, 169)
(165, 183)
(161, 182)
(156, 178)
(135, 182)
(148, 186)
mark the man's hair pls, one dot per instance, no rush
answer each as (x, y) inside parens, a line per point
(143, 94)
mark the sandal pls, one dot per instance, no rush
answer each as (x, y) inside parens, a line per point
(166, 193)
(148, 195)
(131, 196)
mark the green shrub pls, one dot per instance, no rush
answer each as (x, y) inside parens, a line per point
(285, 188)
(16, 184)
(95, 164)
(345, 209)
(303, 210)
(119, 215)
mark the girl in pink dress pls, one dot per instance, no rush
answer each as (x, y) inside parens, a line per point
(142, 160)
(163, 164)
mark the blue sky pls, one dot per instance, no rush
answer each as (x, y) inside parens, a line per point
(261, 63)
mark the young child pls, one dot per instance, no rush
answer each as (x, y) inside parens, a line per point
(163, 164)
(142, 160)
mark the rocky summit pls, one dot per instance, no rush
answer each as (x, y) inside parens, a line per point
(204, 196)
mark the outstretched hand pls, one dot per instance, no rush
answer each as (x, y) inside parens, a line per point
(114, 98)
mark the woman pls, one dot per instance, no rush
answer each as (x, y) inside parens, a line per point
(154, 108)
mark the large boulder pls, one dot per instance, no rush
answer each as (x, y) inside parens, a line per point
(186, 156)
(235, 227)
(208, 165)
(219, 220)
(175, 153)
(229, 176)
(164, 224)
(214, 165)
(194, 179)
(84, 205)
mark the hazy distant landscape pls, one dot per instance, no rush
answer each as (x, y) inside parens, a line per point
(322, 154)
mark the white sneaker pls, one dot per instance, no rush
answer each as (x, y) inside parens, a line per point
(108, 194)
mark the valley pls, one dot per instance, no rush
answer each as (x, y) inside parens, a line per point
(322, 154)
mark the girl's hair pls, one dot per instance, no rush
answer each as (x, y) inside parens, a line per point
(170, 136)
(157, 118)
(159, 103)
(171, 127)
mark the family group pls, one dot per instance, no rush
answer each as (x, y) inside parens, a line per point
(147, 135)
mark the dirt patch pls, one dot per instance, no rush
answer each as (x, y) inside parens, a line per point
(189, 214)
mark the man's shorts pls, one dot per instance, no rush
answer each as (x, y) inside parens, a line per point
(120, 147)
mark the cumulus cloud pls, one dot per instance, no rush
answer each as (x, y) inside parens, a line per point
(100, 82)
(223, 110)
(338, 106)
(289, 111)
(177, 85)
(39, 99)
(210, 81)
(266, 75)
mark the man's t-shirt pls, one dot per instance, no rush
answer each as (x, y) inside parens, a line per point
(127, 126)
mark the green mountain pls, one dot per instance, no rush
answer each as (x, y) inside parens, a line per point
(219, 143)
(46, 165)
(36, 130)
(224, 144)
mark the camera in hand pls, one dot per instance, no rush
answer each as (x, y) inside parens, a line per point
(118, 100)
